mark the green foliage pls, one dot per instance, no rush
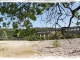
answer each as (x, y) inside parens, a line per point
(52, 35)
(26, 34)
(29, 11)
(46, 38)
(58, 35)
(77, 23)
(71, 35)
(9, 32)
(56, 43)
(4, 35)
(33, 37)
(27, 24)
(19, 33)
(10, 37)
(1, 19)
(76, 14)
(78, 17)
(4, 24)
(15, 25)
(42, 38)
(19, 11)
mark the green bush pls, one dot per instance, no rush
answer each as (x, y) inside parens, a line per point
(46, 38)
(33, 37)
(71, 35)
(56, 43)
(10, 38)
(58, 35)
(4, 35)
(78, 36)
(42, 38)
(52, 35)
(29, 38)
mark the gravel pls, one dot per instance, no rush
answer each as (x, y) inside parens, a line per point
(68, 48)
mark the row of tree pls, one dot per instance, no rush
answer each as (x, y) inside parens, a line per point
(31, 35)
(16, 33)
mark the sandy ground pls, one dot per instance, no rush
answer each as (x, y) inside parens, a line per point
(21, 49)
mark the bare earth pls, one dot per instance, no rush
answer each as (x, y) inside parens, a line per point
(21, 49)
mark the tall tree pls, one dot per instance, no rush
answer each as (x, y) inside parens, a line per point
(19, 12)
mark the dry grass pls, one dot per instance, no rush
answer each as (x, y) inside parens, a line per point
(16, 49)
(23, 49)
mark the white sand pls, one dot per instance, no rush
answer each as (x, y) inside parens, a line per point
(17, 49)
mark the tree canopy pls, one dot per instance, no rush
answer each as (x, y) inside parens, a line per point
(20, 13)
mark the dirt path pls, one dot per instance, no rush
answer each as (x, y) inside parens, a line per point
(23, 49)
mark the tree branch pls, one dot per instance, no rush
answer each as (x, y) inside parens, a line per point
(76, 9)
(72, 11)
(70, 21)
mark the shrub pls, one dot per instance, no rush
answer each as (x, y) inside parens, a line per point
(51, 35)
(71, 35)
(56, 43)
(33, 37)
(58, 35)
(4, 35)
(42, 38)
(78, 36)
(10, 37)
(46, 38)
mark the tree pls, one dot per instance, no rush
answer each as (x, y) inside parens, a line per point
(60, 11)
(28, 25)
(19, 12)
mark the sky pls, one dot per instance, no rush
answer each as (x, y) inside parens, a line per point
(40, 23)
